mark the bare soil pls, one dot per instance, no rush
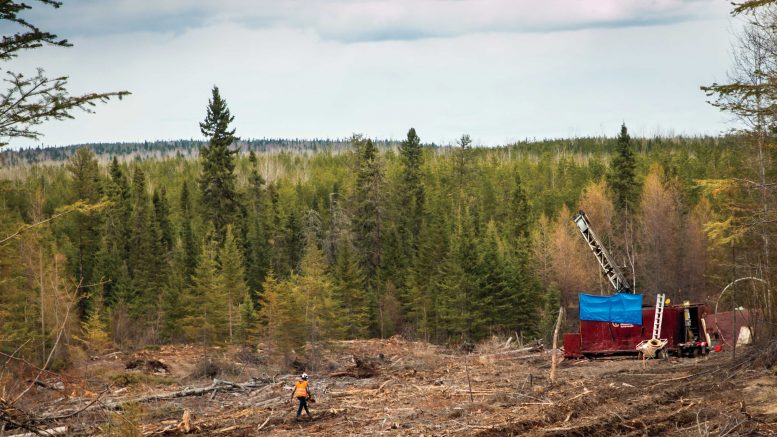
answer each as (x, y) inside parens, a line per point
(398, 387)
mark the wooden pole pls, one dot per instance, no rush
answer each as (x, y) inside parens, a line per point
(554, 357)
(469, 383)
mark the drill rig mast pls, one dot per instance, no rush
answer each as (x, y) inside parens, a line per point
(610, 269)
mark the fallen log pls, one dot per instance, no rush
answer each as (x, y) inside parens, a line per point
(217, 385)
(52, 431)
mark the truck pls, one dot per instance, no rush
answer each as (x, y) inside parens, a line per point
(679, 326)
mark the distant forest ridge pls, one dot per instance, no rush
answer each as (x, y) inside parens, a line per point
(190, 148)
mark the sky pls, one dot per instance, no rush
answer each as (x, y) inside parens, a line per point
(498, 70)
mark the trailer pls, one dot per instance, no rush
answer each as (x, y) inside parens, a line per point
(679, 326)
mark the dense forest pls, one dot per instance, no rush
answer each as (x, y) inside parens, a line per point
(376, 239)
(295, 242)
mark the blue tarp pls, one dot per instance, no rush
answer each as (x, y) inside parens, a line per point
(618, 308)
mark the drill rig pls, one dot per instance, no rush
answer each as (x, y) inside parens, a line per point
(676, 328)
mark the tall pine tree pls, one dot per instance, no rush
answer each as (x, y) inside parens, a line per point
(233, 279)
(217, 181)
(622, 178)
(368, 216)
(86, 188)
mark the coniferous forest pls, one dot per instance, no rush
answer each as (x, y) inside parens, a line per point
(397, 284)
(226, 240)
(369, 239)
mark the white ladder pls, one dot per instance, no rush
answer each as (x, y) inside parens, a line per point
(659, 317)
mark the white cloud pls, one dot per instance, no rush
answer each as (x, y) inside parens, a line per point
(288, 80)
(375, 20)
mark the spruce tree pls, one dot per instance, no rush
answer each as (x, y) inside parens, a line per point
(281, 317)
(177, 286)
(247, 327)
(258, 256)
(205, 302)
(145, 257)
(114, 249)
(519, 213)
(162, 215)
(294, 242)
(493, 302)
(622, 178)
(456, 307)
(217, 181)
(317, 291)
(189, 246)
(368, 205)
(412, 188)
(349, 292)
(233, 278)
(423, 293)
(85, 187)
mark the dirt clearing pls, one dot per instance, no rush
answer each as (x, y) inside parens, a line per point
(398, 387)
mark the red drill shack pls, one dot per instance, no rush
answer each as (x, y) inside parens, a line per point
(608, 338)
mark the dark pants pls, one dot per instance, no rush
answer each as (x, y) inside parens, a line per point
(303, 403)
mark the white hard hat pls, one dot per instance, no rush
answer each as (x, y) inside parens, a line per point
(304, 376)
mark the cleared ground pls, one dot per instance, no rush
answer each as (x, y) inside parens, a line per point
(397, 387)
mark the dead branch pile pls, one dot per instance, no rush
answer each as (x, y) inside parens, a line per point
(363, 367)
(150, 366)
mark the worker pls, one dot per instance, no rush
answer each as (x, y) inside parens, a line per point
(302, 393)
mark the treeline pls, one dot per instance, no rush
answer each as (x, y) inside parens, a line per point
(163, 149)
(434, 243)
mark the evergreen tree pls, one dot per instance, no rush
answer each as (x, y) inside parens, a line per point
(294, 238)
(145, 255)
(247, 328)
(456, 307)
(317, 291)
(412, 188)
(622, 178)
(423, 293)
(217, 181)
(493, 302)
(162, 215)
(114, 249)
(461, 162)
(189, 247)
(258, 256)
(368, 215)
(176, 288)
(86, 187)
(281, 315)
(519, 213)
(233, 278)
(205, 302)
(349, 292)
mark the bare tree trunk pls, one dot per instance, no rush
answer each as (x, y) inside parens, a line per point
(42, 315)
(554, 356)
(229, 310)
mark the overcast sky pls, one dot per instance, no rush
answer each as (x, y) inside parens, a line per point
(500, 70)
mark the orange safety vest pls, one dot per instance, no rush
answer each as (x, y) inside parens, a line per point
(301, 389)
